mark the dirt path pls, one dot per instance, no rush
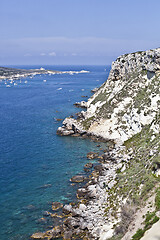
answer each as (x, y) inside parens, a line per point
(138, 219)
(153, 233)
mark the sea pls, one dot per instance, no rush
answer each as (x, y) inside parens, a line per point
(36, 164)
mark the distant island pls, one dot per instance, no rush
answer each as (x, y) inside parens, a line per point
(13, 73)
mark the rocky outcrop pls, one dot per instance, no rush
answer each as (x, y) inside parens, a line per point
(125, 109)
(56, 205)
(70, 127)
(94, 90)
(77, 179)
(81, 104)
(127, 101)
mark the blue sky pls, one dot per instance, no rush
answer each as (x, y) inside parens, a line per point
(76, 31)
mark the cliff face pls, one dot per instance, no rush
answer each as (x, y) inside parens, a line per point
(124, 195)
(126, 102)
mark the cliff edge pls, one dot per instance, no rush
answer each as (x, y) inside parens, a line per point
(126, 102)
(125, 110)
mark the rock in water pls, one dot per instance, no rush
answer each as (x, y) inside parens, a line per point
(38, 235)
(88, 165)
(56, 205)
(81, 104)
(77, 179)
(92, 155)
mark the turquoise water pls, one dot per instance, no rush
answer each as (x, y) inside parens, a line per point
(35, 163)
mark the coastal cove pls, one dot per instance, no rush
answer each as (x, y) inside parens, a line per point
(36, 164)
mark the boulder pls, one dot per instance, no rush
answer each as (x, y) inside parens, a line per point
(92, 191)
(67, 235)
(76, 212)
(94, 90)
(88, 165)
(67, 209)
(90, 226)
(41, 220)
(54, 233)
(82, 207)
(46, 213)
(64, 132)
(71, 222)
(99, 168)
(87, 169)
(56, 205)
(81, 104)
(83, 225)
(92, 155)
(84, 96)
(82, 192)
(70, 127)
(59, 119)
(38, 235)
(77, 179)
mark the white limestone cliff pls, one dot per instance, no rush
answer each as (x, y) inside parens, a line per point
(128, 100)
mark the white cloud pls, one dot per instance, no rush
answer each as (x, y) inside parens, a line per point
(90, 46)
(27, 55)
(63, 46)
(74, 54)
(53, 54)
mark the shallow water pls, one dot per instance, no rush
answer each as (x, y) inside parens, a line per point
(35, 163)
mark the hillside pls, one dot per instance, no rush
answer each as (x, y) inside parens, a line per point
(126, 110)
(127, 101)
(122, 197)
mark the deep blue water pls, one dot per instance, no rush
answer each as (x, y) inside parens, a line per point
(31, 154)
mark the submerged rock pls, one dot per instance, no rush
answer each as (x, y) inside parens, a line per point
(46, 186)
(59, 119)
(77, 179)
(88, 165)
(56, 205)
(92, 155)
(38, 235)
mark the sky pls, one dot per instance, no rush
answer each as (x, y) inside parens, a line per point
(56, 32)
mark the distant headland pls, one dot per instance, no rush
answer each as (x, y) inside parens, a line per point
(14, 73)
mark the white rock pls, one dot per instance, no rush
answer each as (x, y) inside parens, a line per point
(82, 207)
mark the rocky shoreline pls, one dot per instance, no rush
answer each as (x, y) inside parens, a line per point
(125, 112)
(87, 219)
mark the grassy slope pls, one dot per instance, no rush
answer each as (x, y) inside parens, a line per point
(138, 180)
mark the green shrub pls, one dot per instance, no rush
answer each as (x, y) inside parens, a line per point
(157, 200)
(138, 235)
(151, 218)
